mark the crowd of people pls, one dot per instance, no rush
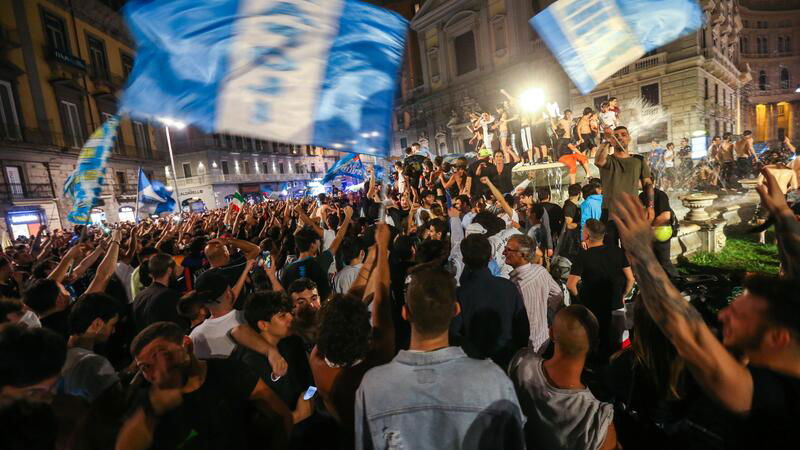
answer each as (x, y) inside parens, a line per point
(448, 310)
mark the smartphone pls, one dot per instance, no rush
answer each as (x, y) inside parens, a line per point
(310, 393)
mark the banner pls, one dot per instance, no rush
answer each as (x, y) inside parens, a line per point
(349, 165)
(85, 184)
(295, 71)
(593, 39)
(154, 197)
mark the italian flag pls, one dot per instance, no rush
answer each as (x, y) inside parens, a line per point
(237, 201)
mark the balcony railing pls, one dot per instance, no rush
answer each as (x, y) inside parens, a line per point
(26, 191)
(65, 58)
(715, 55)
(642, 64)
(125, 189)
(243, 178)
(774, 54)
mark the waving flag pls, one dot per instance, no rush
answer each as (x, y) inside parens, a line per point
(593, 39)
(154, 197)
(309, 72)
(84, 185)
(349, 165)
(237, 201)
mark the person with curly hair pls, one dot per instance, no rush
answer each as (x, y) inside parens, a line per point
(347, 345)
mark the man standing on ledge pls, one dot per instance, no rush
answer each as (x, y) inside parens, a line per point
(622, 172)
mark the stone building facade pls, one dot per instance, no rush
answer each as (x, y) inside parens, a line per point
(770, 44)
(469, 50)
(61, 67)
(697, 79)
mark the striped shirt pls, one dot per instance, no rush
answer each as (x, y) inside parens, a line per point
(539, 291)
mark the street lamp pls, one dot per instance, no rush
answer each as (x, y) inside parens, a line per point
(532, 99)
(168, 122)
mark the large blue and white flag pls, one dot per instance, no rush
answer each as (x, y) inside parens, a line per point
(86, 182)
(154, 197)
(311, 72)
(593, 39)
(349, 165)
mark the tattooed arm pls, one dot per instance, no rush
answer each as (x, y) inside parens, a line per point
(787, 228)
(722, 376)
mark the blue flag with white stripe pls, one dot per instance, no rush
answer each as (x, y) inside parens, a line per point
(85, 184)
(311, 72)
(349, 165)
(593, 39)
(154, 197)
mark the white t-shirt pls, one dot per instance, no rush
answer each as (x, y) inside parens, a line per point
(86, 374)
(345, 278)
(608, 119)
(671, 155)
(211, 338)
(328, 236)
(125, 272)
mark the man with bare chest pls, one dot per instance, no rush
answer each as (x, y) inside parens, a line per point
(744, 151)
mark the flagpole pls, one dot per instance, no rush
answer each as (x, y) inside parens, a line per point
(136, 213)
(172, 164)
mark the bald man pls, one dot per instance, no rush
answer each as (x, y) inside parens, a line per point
(562, 412)
(221, 260)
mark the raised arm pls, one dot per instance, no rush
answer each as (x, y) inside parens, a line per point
(348, 216)
(237, 288)
(500, 199)
(601, 158)
(60, 272)
(244, 335)
(307, 220)
(717, 371)
(787, 228)
(249, 249)
(359, 286)
(86, 263)
(107, 266)
(382, 323)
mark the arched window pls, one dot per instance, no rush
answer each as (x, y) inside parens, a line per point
(762, 81)
(784, 78)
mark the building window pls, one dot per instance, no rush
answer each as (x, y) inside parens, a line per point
(716, 94)
(265, 167)
(127, 64)
(280, 168)
(650, 93)
(762, 81)
(97, 56)
(433, 58)
(73, 130)
(466, 59)
(705, 89)
(499, 29)
(298, 168)
(225, 169)
(781, 110)
(56, 32)
(599, 101)
(762, 45)
(122, 180)
(9, 123)
(743, 44)
(780, 43)
(187, 170)
(313, 168)
(247, 167)
(403, 143)
(140, 136)
(784, 78)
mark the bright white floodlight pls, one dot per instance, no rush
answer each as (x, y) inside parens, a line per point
(532, 99)
(172, 123)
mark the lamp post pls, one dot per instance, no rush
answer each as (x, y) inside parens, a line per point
(178, 125)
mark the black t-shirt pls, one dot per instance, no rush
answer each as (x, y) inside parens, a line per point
(314, 268)
(157, 303)
(572, 211)
(504, 184)
(555, 215)
(489, 170)
(602, 279)
(775, 411)
(57, 322)
(212, 417)
(660, 201)
(297, 378)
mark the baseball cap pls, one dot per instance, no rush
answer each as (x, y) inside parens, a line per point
(484, 152)
(210, 285)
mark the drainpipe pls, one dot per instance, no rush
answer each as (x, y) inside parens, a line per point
(83, 77)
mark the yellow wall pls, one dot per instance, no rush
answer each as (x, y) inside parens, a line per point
(48, 70)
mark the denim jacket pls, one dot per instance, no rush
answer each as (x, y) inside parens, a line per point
(439, 399)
